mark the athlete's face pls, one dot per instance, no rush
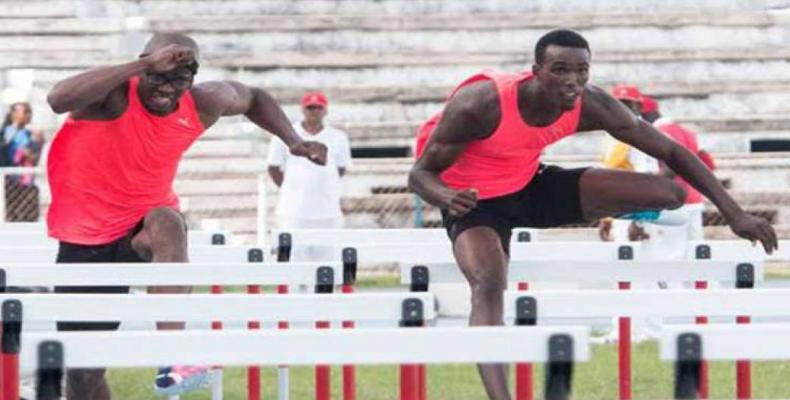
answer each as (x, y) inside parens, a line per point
(160, 92)
(563, 74)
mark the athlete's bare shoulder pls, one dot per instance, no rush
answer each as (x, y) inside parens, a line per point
(599, 109)
(112, 107)
(476, 105)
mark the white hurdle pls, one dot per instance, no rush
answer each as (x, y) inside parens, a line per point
(32, 238)
(624, 270)
(392, 309)
(689, 345)
(381, 307)
(559, 347)
(172, 274)
(575, 270)
(197, 253)
(333, 239)
(647, 303)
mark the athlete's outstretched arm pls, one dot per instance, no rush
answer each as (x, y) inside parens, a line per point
(93, 87)
(459, 126)
(216, 99)
(602, 111)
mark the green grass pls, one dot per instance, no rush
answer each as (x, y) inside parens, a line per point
(597, 379)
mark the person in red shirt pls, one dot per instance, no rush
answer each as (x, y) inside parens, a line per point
(112, 164)
(694, 204)
(478, 161)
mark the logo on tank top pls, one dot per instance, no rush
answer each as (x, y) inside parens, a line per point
(184, 121)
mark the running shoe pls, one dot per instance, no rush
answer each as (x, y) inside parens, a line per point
(177, 380)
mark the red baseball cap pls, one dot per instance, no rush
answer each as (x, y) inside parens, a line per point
(627, 92)
(649, 105)
(314, 99)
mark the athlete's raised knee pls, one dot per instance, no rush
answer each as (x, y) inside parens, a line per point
(165, 221)
(676, 195)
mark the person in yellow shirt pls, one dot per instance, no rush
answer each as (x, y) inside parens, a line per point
(619, 155)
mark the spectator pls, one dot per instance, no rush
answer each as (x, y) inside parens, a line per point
(21, 148)
(619, 155)
(310, 194)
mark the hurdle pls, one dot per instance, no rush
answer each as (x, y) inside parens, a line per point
(426, 251)
(389, 308)
(349, 259)
(153, 274)
(688, 345)
(625, 269)
(659, 303)
(560, 348)
(318, 238)
(24, 238)
(197, 253)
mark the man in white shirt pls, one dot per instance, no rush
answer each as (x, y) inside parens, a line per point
(309, 193)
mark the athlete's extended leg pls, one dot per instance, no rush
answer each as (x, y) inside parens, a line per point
(479, 253)
(609, 192)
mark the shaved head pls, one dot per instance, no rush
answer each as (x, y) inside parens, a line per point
(160, 40)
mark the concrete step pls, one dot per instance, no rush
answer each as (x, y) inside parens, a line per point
(316, 22)
(187, 187)
(710, 123)
(591, 142)
(57, 8)
(64, 26)
(41, 9)
(458, 7)
(212, 146)
(228, 165)
(714, 105)
(666, 22)
(409, 93)
(757, 171)
(251, 61)
(473, 39)
(220, 202)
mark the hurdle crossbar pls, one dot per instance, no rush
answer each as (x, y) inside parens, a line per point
(600, 271)
(147, 274)
(383, 307)
(730, 342)
(11, 239)
(689, 345)
(197, 253)
(305, 347)
(652, 303)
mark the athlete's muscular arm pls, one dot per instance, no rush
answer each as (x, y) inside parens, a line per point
(216, 99)
(602, 111)
(468, 116)
(101, 91)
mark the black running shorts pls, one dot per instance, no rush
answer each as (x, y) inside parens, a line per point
(550, 199)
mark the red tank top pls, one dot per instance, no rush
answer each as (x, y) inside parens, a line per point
(105, 175)
(688, 139)
(506, 161)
